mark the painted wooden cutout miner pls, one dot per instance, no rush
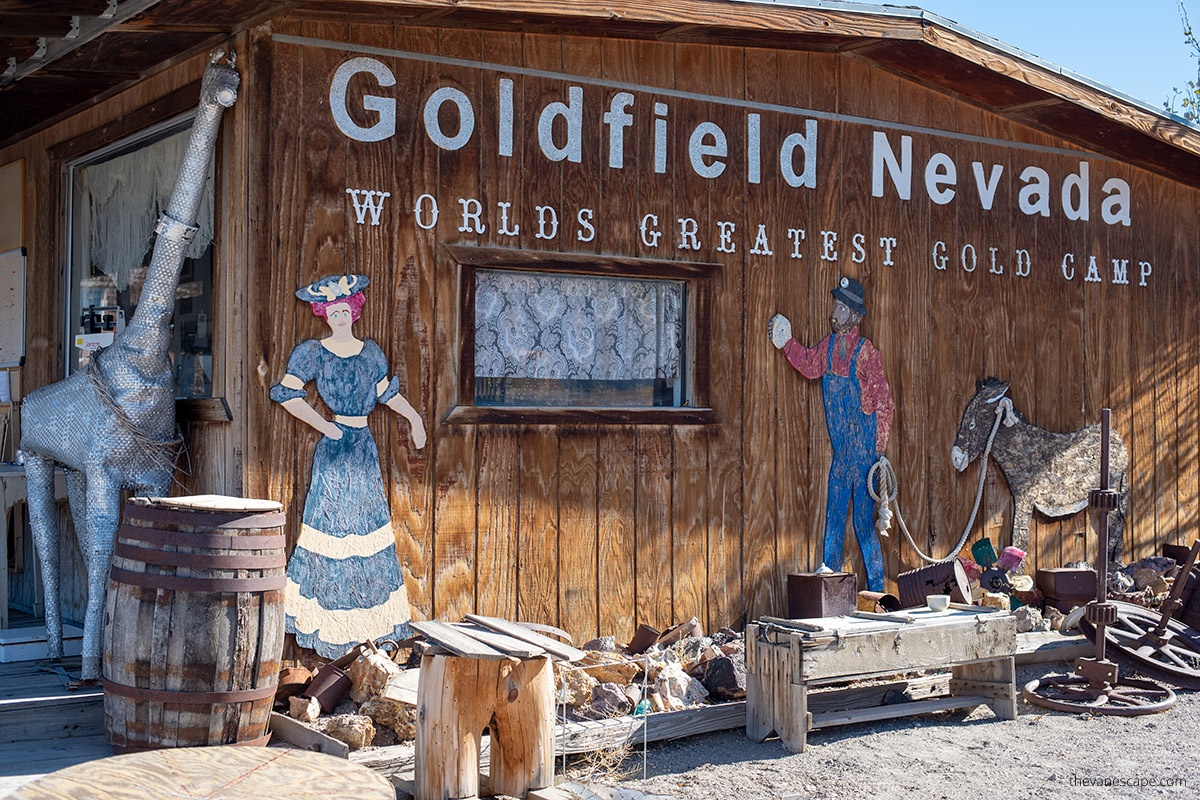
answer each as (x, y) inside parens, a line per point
(1047, 471)
(112, 425)
(858, 415)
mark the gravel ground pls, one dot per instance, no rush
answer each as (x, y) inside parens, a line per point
(946, 756)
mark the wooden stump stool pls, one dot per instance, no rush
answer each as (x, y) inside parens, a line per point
(457, 698)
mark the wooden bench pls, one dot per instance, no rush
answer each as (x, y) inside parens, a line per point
(790, 665)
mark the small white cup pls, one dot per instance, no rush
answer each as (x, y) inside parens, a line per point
(937, 602)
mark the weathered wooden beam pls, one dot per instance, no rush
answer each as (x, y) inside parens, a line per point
(554, 648)
(89, 29)
(457, 641)
(34, 25)
(151, 26)
(1094, 99)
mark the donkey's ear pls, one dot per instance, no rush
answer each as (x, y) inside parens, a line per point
(978, 385)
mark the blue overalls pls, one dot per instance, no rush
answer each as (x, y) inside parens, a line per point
(852, 434)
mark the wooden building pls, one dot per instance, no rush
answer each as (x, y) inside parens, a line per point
(1007, 219)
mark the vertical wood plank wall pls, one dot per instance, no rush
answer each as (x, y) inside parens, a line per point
(599, 527)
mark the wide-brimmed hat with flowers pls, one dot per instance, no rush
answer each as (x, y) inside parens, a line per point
(332, 287)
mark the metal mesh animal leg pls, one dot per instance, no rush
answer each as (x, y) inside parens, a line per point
(39, 478)
(103, 513)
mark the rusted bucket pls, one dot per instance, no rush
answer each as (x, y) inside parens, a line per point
(193, 633)
(948, 577)
(878, 602)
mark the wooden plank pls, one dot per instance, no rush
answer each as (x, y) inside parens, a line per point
(796, 515)
(764, 577)
(950, 388)
(515, 630)
(1072, 531)
(878, 694)
(998, 227)
(537, 533)
(725, 487)
(652, 528)
(915, 647)
(1166, 312)
(831, 719)
(499, 491)
(1143, 488)
(498, 641)
(579, 546)
(455, 543)
(296, 733)
(576, 737)
(1041, 647)
(1184, 268)
(458, 641)
(813, 326)
(412, 484)
(615, 462)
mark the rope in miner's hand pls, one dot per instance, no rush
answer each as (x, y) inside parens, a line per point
(883, 474)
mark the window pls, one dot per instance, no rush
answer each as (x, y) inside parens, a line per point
(558, 337)
(115, 198)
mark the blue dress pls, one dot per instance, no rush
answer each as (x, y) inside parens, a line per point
(344, 583)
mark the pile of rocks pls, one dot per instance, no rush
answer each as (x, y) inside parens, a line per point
(371, 706)
(655, 672)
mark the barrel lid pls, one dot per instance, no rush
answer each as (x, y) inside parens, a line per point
(210, 502)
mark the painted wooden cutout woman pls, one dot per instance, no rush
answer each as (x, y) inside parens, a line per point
(344, 580)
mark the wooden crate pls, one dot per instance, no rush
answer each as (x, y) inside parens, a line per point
(788, 664)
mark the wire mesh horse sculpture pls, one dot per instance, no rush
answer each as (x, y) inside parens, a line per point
(1047, 471)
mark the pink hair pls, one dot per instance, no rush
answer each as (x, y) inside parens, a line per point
(355, 301)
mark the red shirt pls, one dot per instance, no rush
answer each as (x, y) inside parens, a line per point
(872, 382)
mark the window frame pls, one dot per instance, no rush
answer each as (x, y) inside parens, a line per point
(698, 276)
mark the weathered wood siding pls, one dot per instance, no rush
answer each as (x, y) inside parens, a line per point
(597, 528)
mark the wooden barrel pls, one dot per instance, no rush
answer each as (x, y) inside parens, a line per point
(193, 625)
(947, 577)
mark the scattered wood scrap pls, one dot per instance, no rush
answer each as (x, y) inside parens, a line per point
(492, 639)
(556, 650)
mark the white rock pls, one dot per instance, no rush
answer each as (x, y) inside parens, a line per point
(369, 674)
(304, 709)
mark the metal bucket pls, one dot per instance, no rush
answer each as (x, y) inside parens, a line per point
(948, 577)
(878, 602)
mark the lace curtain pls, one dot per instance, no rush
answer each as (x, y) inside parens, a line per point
(124, 198)
(565, 327)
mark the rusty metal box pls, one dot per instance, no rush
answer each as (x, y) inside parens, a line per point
(821, 594)
(1067, 583)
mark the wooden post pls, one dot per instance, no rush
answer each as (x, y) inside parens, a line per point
(996, 679)
(457, 698)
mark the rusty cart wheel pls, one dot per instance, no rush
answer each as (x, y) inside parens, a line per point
(1132, 641)
(1074, 694)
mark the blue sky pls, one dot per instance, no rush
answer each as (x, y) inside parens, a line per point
(1133, 46)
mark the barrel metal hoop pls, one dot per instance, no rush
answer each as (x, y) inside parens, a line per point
(174, 583)
(199, 560)
(189, 698)
(121, 749)
(237, 520)
(215, 541)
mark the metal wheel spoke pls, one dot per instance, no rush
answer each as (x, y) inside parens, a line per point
(1166, 651)
(1129, 698)
(1121, 632)
(1130, 623)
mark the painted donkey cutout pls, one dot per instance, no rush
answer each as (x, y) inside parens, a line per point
(1052, 472)
(112, 425)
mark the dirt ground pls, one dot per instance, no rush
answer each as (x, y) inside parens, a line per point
(946, 756)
